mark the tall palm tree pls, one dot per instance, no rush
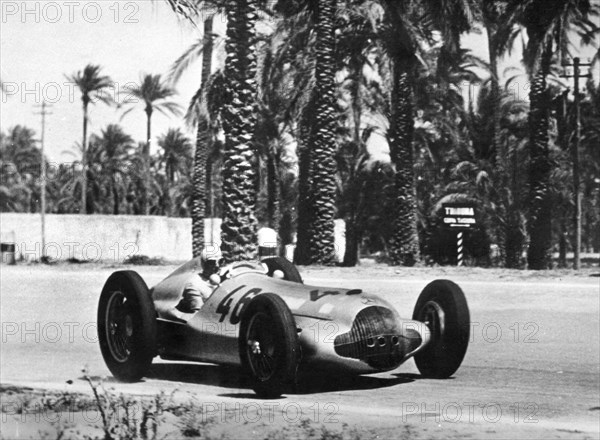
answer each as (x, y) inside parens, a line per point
(197, 110)
(93, 86)
(322, 144)
(155, 95)
(403, 37)
(550, 26)
(401, 48)
(239, 227)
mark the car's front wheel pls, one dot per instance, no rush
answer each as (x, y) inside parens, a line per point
(268, 344)
(443, 307)
(127, 326)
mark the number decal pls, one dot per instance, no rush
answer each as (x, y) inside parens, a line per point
(225, 304)
(241, 305)
(315, 296)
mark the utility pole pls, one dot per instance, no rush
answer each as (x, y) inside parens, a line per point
(577, 65)
(44, 112)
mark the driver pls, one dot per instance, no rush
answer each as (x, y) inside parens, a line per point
(199, 288)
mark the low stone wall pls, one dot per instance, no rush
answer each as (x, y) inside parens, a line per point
(111, 237)
(100, 237)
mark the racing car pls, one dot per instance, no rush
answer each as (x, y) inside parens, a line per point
(264, 319)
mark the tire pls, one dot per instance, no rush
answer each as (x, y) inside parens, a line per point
(268, 325)
(443, 306)
(290, 271)
(127, 326)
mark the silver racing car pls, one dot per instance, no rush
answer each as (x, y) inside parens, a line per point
(272, 326)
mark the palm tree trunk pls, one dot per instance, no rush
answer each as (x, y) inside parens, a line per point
(501, 220)
(200, 182)
(513, 228)
(562, 245)
(210, 191)
(146, 161)
(302, 251)
(273, 195)
(404, 244)
(539, 225)
(286, 224)
(83, 209)
(201, 177)
(323, 144)
(240, 182)
(352, 241)
(354, 187)
(115, 201)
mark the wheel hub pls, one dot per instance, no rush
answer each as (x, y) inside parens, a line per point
(254, 346)
(119, 327)
(434, 317)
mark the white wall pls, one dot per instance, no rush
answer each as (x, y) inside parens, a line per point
(100, 237)
(112, 238)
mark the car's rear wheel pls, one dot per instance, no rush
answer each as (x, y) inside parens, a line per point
(127, 326)
(443, 307)
(268, 344)
(289, 270)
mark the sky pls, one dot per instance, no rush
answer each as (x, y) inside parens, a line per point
(41, 42)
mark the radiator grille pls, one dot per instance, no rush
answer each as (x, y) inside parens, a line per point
(375, 338)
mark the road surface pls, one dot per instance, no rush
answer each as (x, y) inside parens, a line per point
(532, 369)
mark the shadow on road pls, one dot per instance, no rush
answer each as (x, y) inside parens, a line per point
(308, 382)
(324, 382)
(203, 374)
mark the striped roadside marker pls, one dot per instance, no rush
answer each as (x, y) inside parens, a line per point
(459, 246)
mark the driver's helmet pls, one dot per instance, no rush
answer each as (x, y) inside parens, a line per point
(211, 258)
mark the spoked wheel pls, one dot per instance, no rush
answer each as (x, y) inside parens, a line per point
(289, 270)
(268, 345)
(443, 307)
(126, 326)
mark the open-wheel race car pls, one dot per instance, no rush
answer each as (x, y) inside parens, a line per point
(272, 326)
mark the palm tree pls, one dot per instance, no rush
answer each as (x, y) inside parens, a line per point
(238, 230)
(402, 38)
(116, 149)
(92, 85)
(197, 111)
(363, 101)
(401, 48)
(322, 142)
(20, 161)
(155, 95)
(176, 159)
(287, 106)
(177, 153)
(550, 26)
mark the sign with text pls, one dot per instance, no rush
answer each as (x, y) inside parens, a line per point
(459, 215)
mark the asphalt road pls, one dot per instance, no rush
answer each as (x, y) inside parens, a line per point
(532, 369)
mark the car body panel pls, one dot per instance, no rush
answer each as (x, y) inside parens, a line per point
(326, 319)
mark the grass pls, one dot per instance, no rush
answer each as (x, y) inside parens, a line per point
(158, 417)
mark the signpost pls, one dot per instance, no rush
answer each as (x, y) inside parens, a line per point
(460, 217)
